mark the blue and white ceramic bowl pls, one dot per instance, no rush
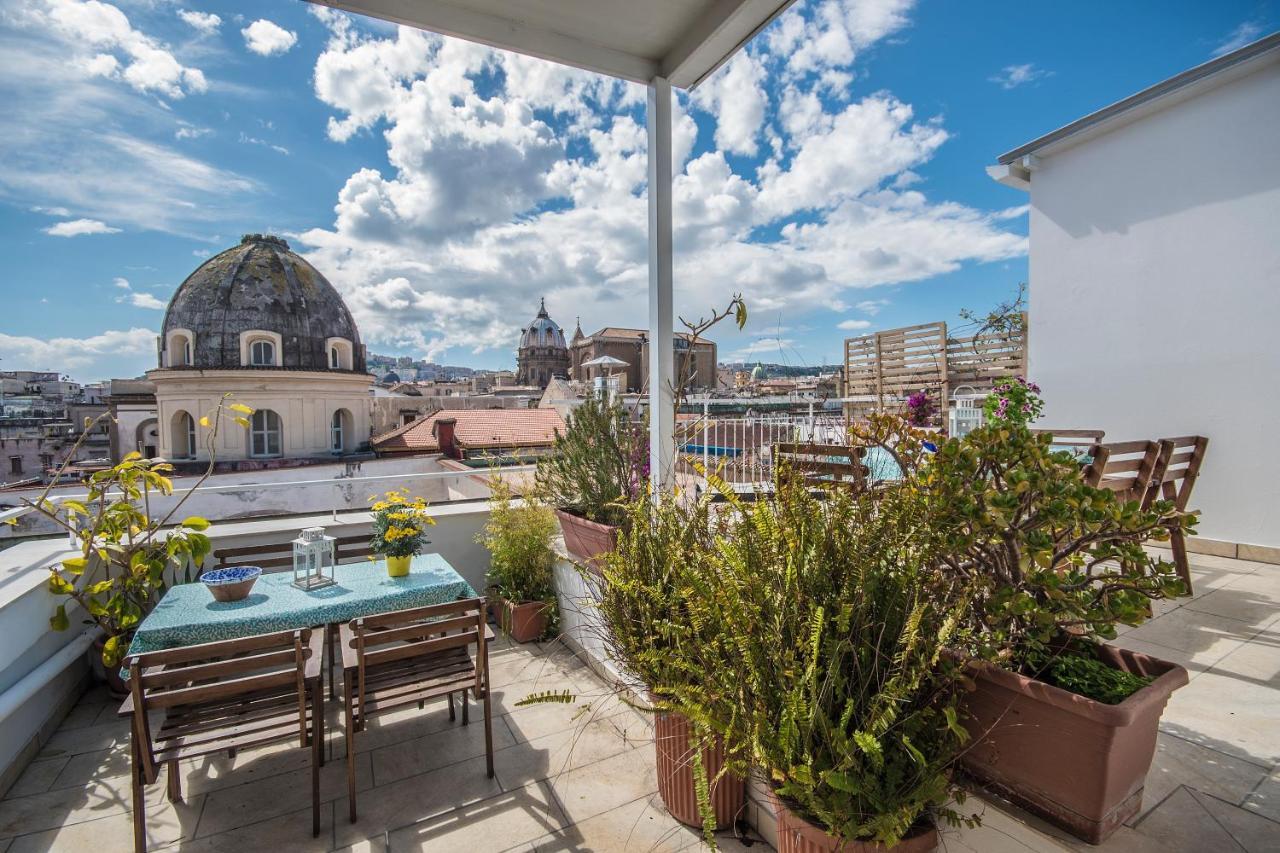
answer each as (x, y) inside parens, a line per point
(231, 584)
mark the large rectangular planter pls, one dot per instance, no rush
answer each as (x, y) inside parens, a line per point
(1078, 763)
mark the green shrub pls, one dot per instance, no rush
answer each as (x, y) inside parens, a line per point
(597, 465)
(519, 541)
(827, 665)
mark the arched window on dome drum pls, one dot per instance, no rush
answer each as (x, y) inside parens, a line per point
(264, 433)
(183, 436)
(262, 354)
(186, 351)
(337, 439)
(335, 359)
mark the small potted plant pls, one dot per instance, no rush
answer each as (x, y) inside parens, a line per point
(400, 525)
(596, 465)
(1063, 724)
(519, 540)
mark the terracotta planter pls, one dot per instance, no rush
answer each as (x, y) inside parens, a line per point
(673, 745)
(587, 541)
(1077, 763)
(525, 621)
(797, 835)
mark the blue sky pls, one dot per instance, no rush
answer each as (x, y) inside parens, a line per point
(833, 173)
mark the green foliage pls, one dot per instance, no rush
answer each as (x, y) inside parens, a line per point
(1086, 675)
(831, 625)
(400, 524)
(519, 541)
(125, 554)
(1014, 401)
(1049, 552)
(595, 466)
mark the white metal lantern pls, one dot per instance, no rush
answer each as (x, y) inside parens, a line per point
(313, 557)
(966, 411)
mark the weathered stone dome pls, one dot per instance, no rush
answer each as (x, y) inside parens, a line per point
(261, 285)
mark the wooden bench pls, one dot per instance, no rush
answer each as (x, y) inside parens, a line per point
(278, 556)
(820, 462)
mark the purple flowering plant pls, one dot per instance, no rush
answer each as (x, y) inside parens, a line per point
(1014, 401)
(920, 409)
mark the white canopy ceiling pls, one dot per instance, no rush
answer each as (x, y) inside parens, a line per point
(638, 40)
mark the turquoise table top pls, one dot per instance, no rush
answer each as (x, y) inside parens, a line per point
(188, 614)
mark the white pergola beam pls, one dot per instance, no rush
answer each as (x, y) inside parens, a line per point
(717, 35)
(506, 33)
(662, 415)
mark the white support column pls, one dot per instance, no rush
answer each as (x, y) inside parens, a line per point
(662, 447)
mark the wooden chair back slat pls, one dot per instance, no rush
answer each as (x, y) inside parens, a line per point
(420, 648)
(1131, 469)
(172, 676)
(396, 618)
(1186, 455)
(219, 648)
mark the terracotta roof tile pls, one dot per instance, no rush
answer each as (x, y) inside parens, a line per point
(476, 429)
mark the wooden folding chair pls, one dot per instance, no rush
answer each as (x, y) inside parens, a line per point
(1181, 459)
(1128, 468)
(824, 463)
(215, 697)
(408, 657)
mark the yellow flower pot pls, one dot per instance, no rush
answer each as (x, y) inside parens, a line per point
(398, 567)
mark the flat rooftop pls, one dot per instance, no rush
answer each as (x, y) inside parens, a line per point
(582, 777)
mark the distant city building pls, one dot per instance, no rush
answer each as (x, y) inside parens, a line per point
(543, 354)
(42, 423)
(260, 322)
(697, 361)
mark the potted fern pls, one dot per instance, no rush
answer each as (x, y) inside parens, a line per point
(519, 538)
(838, 620)
(648, 593)
(595, 467)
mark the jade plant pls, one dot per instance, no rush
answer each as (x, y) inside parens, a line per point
(127, 555)
(1051, 553)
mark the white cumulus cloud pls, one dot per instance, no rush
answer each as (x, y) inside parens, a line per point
(853, 325)
(76, 353)
(109, 46)
(206, 23)
(267, 38)
(79, 227)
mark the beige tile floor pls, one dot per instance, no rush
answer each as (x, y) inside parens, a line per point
(582, 777)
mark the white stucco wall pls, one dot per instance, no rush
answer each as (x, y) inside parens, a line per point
(1155, 291)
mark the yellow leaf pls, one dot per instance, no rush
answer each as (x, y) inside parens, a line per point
(132, 455)
(244, 422)
(204, 420)
(195, 522)
(241, 408)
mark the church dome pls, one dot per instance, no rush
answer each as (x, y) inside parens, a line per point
(260, 286)
(543, 332)
(759, 374)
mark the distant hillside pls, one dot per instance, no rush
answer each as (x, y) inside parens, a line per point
(778, 371)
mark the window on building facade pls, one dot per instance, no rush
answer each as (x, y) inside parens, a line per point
(262, 354)
(337, 440)
(15, 464)
(335, 359)
(264, 434)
